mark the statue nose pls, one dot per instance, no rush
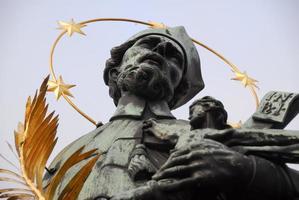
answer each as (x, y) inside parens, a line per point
(162, 47)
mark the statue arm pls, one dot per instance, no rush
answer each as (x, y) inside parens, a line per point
(251, 137)
(265, 177)
(271, 149)
(271, 181)
(293, 176)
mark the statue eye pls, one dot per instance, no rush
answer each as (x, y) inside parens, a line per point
(144, 44)
(148, 42)
(176, 59)
(174, 55)
(205, 105)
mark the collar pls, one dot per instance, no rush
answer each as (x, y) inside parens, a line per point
(133, 107)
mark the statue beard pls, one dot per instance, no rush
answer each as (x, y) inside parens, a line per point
(146, 81)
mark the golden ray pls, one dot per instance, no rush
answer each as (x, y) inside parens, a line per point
(73, 188)
(16, 195)
(34, 142)
(71, 161)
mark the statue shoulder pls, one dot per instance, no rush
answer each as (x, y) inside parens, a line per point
(70, 149)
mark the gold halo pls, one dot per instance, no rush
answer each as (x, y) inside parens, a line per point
(61, 89)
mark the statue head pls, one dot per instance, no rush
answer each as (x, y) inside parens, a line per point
(208, 112)
(155, 64)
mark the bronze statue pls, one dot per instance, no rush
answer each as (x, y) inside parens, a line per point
(149, 154)
(208, 112)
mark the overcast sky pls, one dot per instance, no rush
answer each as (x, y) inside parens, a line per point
(259, 36)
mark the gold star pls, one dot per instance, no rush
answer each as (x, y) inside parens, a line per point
(236, 125)
(245, 79)
(60, 88)
(71, 27)
(157, 25)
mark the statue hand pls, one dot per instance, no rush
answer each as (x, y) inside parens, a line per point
(206, 164)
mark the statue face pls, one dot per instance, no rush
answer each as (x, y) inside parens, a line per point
(201, 114)
(200, 110)
(151, 68)
(207, 114)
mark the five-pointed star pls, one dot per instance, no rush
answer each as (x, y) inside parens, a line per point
(59, 88)
(245, 79)
(71, 27)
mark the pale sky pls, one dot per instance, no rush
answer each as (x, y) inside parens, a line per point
(259, 36)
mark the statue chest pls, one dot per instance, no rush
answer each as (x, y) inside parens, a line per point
(110, 175)
(129, 157)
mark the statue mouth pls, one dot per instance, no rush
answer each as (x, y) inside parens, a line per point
(197, 121)
(200, 116)
(145, 67)
(146, 79)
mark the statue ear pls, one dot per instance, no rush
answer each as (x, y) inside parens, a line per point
(113, 74)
